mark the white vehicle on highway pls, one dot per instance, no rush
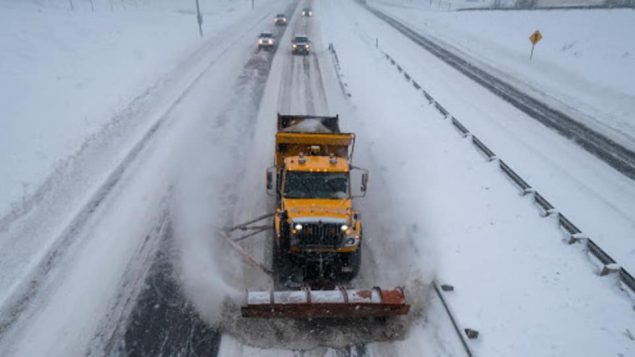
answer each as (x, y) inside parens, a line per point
(266, 41)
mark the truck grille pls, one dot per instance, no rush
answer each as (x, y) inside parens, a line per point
(320, 235)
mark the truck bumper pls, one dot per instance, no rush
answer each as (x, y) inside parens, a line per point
(346, 264)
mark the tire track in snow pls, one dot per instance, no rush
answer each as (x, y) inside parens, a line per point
(108, 336)
(286, 96)
(163, 321)
(308, 90)
(321, 89)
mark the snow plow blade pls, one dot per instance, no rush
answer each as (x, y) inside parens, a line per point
(340, 303)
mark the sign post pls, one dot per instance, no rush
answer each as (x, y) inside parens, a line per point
(534, 39)
(199, 19)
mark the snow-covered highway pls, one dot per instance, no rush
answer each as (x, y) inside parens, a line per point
(120, 254)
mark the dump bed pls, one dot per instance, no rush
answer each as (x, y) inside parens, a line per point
(308, 124)
(311, 135)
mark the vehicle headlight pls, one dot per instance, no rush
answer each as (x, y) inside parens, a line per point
(298, 227)
(351, 241)
(294, 45)
(344, 227)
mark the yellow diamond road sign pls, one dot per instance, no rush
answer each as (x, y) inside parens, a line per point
(535, 37)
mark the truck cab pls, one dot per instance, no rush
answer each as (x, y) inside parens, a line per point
(315, 222)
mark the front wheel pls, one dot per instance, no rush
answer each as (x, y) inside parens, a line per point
(350, 265)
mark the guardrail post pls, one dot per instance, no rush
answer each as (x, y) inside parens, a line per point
(577, 237)
(610, 268)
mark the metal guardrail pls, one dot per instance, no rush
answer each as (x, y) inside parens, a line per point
(338, 71)
(524, 186)
(457, 124)
(452, 319)
(441, 109)
(428, 96)
(565, 223)
(627, 279)
(547, 208)
(599, 253)
(484, 149)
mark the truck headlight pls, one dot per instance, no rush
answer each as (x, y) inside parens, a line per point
(351, 241)
(298, 227)
(294, 45)
(344, 227)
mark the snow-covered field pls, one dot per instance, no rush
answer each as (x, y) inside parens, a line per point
(583, 65)
(68, 76)
(180, 131)
(597, 198)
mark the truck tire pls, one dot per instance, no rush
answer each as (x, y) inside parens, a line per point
(354, 261)
(280, 262)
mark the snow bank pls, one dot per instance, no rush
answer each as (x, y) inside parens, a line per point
(64, 74)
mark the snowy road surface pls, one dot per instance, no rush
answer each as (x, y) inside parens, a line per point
(124, 259)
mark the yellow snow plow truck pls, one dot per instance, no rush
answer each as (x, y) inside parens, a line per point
(317, 234)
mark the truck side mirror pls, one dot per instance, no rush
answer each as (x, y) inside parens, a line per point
(364, 182)
(270, 176)
(355, 172)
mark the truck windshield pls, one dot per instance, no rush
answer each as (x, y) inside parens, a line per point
(316, 185)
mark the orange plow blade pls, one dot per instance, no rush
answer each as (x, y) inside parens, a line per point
(339, 303)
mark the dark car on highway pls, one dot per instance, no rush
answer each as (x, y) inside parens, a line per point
(300, 45)
(280, 20)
